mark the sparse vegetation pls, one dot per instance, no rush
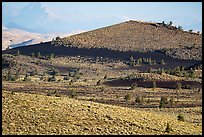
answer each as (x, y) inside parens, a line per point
(168, 129)
(163, 102)
(73, 91)
(134, 86)
(154, 85)
(180, 117)
(127, 97)
(98, 83)
(178, 86)
(138, 99)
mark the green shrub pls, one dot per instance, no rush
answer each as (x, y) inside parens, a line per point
(134, 86)
(178, 86)
(171, 101)
(26, 78)
(163, 102)
(12, 93)
(49, 94)
(32, 54)
(98, 83)
(105, 77)
(139, 99)
(39, 55)
(66, 78)
(18, 53)
(180, 117)
(168, 129)
(57, 95)
(154, 85)
(127, 97)
(73, 94)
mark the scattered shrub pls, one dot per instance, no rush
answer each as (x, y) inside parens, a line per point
(168, 129)
(163, 102)
(26, 78)
(32, 54)
(134, 86)
(127, 97)
(178, 86)
(105, 77)
(12, 93)
(139, 99)
(39, 55)
(187, 86)
(171, 101)
(18, 53)
(154, 85)
(57, 95)
(98, 83)
(162, 62)
(180, 117)
(73, 94)
(49, 94)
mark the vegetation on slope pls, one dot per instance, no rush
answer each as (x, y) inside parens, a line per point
(141, 36)
(38, 114)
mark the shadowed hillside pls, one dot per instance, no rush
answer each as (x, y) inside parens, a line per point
(47, 49)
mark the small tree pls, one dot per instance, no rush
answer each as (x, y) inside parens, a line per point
(134, 86)
(131, 61)
(163, 23)
(170, 23)
(138, 99)
(105, 77)
(12, 93)
(163, 102)
(51, 55)
(191, 30)
(53, 42)
(171, 101)
(168, 129)
(18, 53)
(32, 54)
(98, 83)
(162, 62)
(180, 117)
(127, 97)
(154, 85)
(178, 86)
(26, 78)
(73, 94)
(180, 27)
(39, 55)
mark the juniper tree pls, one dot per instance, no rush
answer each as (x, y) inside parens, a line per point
(162, 62)
(32, 54)
(39, 55)
(18, 53)
(168, 129)
(154, 85)
(127, 97)
(131, 61)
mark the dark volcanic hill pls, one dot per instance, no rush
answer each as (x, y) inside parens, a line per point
(142, 36)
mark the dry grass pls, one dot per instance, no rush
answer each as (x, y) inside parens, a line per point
(38, 114)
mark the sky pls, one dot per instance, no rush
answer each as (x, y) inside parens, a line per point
(82, 16)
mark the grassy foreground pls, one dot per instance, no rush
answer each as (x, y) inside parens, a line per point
(24, 113)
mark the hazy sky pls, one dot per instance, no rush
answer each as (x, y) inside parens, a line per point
(92, 15)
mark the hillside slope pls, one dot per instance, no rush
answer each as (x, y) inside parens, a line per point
(143, 36)
(24, 113)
